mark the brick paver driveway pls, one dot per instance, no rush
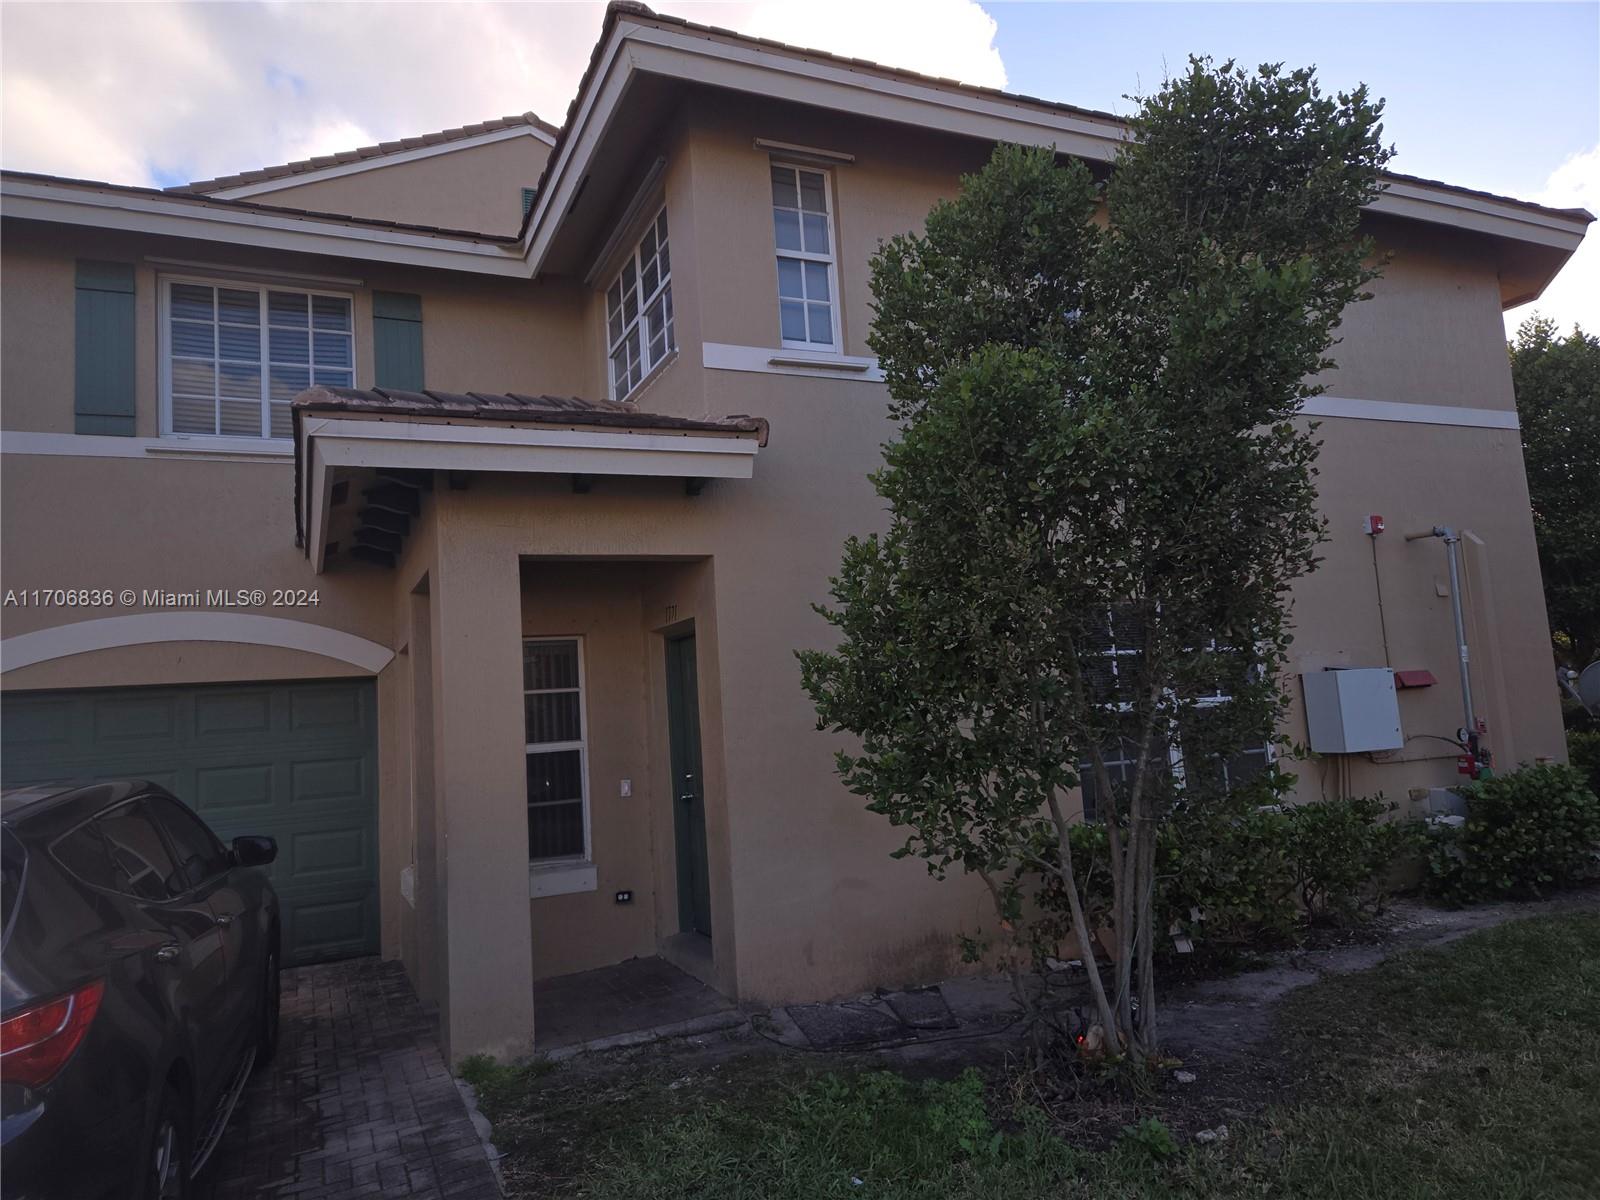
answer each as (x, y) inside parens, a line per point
(358, 1101)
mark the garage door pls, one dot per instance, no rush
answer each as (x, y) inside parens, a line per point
(296, 761)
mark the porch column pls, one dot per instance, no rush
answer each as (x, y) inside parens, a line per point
(487, 1001)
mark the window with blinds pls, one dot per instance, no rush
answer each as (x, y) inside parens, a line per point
(235, 355)
(557, 752)
(640, 331)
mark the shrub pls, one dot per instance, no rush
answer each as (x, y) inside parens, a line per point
(1342, 854)
(1527, 832)
(1220, 875)
(1583, 751)
(1245, 868)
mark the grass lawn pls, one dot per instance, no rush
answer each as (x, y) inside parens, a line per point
(1470, 1071)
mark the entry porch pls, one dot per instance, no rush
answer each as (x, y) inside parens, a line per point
(550, 729)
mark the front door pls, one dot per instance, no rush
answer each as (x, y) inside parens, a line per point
(688, 788)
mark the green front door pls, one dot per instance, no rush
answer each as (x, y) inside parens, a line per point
(296, 761)
(688, 790)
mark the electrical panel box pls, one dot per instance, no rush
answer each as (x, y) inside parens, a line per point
(1351, 711)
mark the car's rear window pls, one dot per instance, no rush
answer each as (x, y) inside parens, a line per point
(13, 871)
(84, 853)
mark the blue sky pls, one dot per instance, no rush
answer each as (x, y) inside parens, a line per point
(1492, 96)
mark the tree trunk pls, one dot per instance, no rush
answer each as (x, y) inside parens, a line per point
(1080, 927)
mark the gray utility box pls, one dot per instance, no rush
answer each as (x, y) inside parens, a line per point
(1353, 710)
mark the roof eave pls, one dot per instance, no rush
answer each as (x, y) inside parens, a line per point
(236, 222)
(674, 47)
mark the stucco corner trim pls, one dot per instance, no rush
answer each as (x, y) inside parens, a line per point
(561, 879)
(143, 629)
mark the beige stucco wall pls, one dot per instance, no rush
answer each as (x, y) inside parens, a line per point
(483, 334)
(478, 188)
(599, 603)
(1418, 476)
(887, 190)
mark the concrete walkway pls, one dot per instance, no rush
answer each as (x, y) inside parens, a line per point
(1202, 1022)
(624, 1004)
(358, 1101)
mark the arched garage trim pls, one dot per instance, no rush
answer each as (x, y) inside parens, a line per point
(142, 629)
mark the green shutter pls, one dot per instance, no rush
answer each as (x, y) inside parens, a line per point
(103, 370)
(397, 340)
(527, 199)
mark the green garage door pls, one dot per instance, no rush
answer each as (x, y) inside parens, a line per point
(294, 760)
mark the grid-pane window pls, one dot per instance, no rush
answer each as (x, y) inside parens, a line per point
(802, 230)
(237, 355)
(1121, 758)
(552, 709)
(640, 331)
(1111, 668)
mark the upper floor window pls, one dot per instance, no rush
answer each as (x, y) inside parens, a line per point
(235, 355)
(802, 228)
(639, 327)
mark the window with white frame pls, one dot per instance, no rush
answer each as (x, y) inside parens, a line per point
(1110, 675)
(235, 355)
(802, 228)
(639, 328)
(558, 789)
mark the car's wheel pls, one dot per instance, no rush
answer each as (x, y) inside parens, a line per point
(267, 1037)
(171, 1151)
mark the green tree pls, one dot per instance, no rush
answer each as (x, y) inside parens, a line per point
(1096, 440)
(1558, 404)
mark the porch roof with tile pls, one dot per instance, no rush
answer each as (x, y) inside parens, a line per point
(348, 434)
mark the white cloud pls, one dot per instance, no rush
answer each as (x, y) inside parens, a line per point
(159, 93)
(1574, 297)
(953, 39)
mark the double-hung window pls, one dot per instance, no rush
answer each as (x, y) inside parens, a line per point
(639, 328)
(802, 228)
(236, 355)
(552, 705)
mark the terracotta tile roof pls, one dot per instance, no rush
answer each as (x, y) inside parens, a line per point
(344, 157)
(515, 406)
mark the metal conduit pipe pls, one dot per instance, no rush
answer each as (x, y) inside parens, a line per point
(1452, 548)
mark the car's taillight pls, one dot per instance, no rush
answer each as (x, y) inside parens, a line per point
(36, 1042)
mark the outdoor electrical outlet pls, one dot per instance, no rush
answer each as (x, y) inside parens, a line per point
(624, 897)
(627, 787)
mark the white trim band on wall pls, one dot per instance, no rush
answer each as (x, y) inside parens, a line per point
(764, 360)
(143, 629)
(768, 360)
(196, 447)
(1416, 414)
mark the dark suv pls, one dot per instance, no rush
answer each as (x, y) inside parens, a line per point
(138, 987)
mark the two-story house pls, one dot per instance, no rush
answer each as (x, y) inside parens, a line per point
(451, 510)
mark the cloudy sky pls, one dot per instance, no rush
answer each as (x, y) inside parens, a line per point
(1500, 97)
